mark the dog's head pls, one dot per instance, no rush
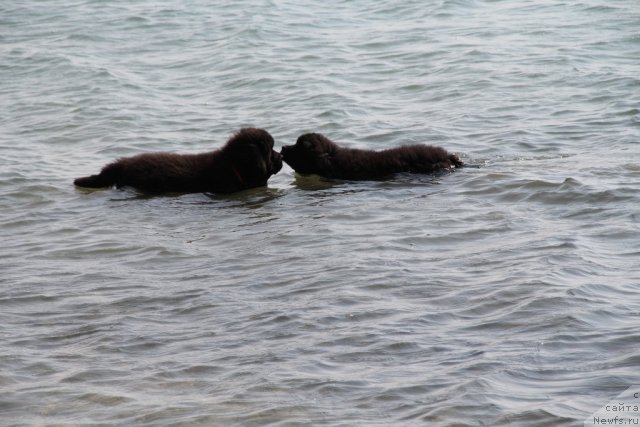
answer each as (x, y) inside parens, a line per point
(312, 154)
(252, 158)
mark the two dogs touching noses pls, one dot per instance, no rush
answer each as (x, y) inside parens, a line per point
(248, 160)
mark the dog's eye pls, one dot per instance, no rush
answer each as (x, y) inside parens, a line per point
(260, 148)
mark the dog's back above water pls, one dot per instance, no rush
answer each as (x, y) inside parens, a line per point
(246, 161)
(314, 153)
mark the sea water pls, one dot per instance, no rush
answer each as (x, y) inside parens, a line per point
(506, 294)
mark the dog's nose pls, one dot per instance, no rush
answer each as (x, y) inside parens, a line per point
(276, 162)
(284, 149)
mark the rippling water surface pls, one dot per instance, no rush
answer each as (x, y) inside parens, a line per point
(499, 295)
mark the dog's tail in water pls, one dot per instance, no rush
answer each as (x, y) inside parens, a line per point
(94, 181)
(106, 178)
(455, 161)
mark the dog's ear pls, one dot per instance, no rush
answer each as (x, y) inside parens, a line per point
(259, 153)
(325, 161)
(307, 141)
(257, 146)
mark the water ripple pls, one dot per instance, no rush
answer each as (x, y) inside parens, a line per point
(501, 294)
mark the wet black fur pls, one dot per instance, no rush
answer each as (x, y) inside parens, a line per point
(314, 153)
(246, 161)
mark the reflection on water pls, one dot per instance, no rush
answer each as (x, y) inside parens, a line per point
(313, 182)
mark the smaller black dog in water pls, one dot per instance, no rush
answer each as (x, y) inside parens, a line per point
(246, 161)
(314, 153)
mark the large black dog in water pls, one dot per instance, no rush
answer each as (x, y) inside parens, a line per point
(314, 153)
(246, 161)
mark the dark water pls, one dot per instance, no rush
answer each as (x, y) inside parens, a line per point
(503, 295)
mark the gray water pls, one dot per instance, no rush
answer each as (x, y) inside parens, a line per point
(499, 295)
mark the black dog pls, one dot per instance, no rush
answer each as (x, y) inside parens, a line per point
(246, 161)
(314, 153)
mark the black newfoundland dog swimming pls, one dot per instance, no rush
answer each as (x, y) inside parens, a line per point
(314, 153)
(246, 161)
